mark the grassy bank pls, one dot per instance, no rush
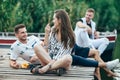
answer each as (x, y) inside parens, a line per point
(116, 52)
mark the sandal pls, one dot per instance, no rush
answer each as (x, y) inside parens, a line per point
(40, 70)
(35, 70)
(33, 66)
(61, 71)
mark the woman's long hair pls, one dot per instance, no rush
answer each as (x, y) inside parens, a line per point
(67, 34)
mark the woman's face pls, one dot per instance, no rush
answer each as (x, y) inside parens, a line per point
(56, 21)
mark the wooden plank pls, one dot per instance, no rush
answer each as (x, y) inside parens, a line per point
(7, 73)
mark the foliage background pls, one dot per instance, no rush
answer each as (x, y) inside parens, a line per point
(35, 14)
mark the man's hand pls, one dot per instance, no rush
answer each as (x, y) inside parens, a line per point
(14, 64)
(81, 25)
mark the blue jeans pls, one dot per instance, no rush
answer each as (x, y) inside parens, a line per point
(78, 60)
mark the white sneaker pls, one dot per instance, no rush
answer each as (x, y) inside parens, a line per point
(112, 64)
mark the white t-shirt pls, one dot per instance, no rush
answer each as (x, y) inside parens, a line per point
(24, 51)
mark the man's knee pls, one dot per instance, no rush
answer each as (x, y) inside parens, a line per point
(106, 41)
(96, 52)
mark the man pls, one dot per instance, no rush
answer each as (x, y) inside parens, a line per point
(24, 47)
(86, 34)
(30, 49)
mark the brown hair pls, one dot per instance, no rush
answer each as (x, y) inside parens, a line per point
(19, 26)
(90, 10)
(67, 34)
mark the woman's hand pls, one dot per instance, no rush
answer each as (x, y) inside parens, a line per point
(47, 29)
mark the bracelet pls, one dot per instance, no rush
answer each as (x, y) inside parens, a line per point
(50, 66)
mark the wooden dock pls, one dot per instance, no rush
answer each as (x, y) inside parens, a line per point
(7, 73)
(117, 71)
(76, 73)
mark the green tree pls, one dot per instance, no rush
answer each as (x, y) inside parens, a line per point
(35, 14)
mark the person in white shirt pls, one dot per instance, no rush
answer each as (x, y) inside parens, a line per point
(86, 34)
(24, 47)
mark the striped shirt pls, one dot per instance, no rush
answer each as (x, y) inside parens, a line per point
(56, 49)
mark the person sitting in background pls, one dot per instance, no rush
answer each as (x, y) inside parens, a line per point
(86, 34)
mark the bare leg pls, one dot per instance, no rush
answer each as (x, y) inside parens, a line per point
(95, 54)
(42, 55)
(109, 72)
(64, 62)
(97, 73)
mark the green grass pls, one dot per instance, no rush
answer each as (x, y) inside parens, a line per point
(116, 52)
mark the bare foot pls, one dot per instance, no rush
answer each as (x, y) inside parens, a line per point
(112, 74)
(46, 67)
(97, 74)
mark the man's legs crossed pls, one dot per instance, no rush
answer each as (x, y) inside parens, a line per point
(95, 54)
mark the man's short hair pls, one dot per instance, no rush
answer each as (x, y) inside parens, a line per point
(17, 27)
(90, 10)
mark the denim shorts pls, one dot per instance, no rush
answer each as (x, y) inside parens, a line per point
(81, 51)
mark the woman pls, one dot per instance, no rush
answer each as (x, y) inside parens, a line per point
(59, 42)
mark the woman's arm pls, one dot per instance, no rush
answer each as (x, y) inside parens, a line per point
(47, 33)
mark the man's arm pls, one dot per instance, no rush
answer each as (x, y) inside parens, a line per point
(14, 64)
(81, 25)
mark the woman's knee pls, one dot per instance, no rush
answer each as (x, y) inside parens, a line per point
(68, 59)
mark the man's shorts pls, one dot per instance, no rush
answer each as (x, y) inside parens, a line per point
(81, 51)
